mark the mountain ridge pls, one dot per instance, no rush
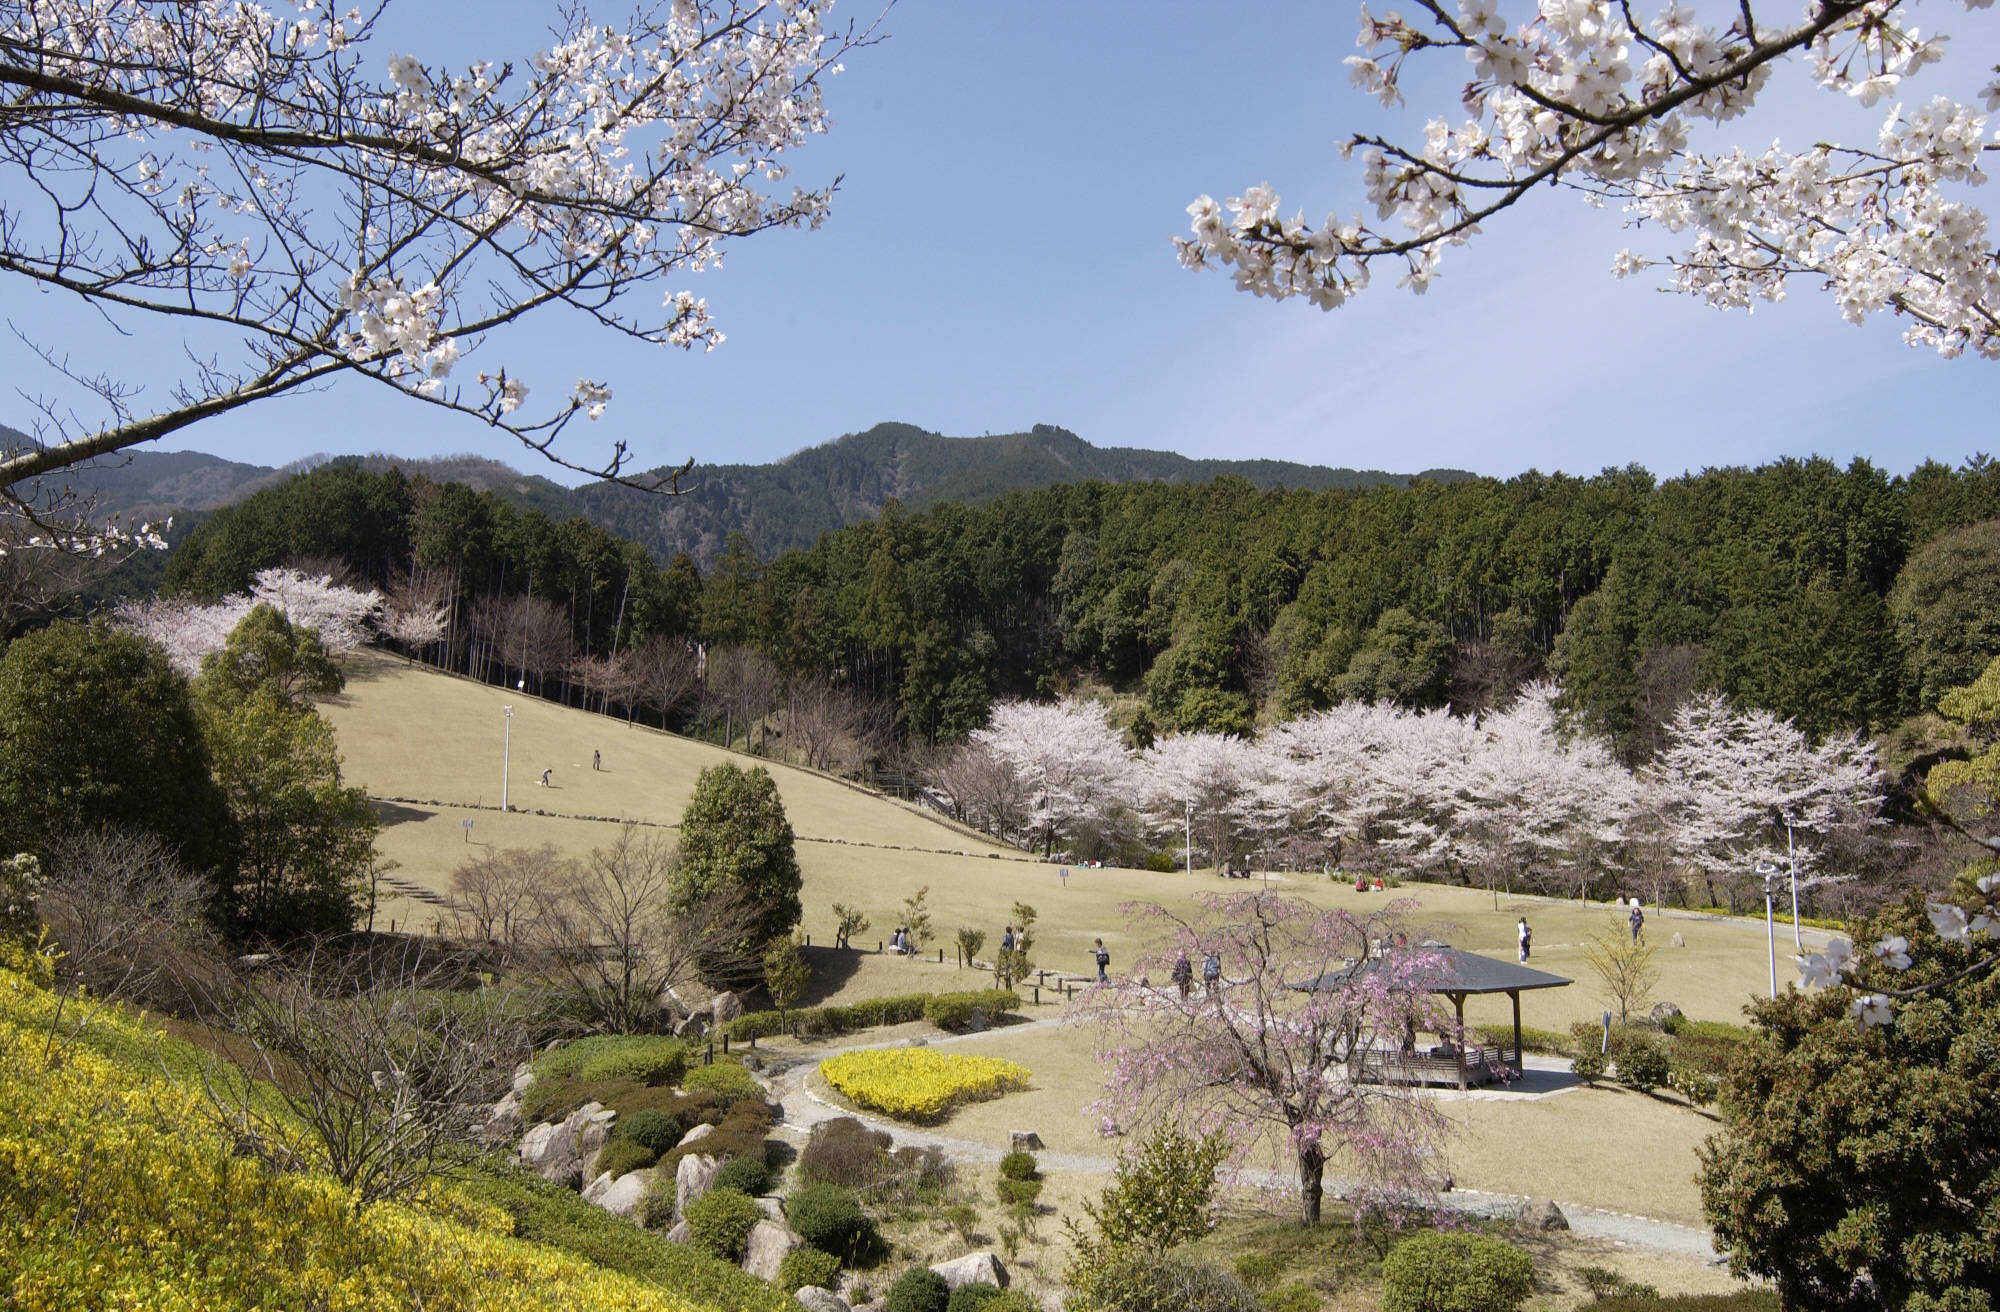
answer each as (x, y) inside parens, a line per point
(778, 506)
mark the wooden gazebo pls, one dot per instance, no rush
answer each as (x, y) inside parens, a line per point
(1458, 976)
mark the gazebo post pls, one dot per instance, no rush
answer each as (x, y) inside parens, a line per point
(1458, 1004)
(1520, 1063)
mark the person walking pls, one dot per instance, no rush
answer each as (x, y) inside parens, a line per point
(1103, 960)
(1007, 939)
(1183, 973)
(596, 759)
(1638, 921)
(1526, 935)
(1211, 973)
(545, 777)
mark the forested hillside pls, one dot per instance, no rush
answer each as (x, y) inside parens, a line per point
(1841, 596)
(792, 503)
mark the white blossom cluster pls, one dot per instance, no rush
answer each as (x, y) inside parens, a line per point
(1837, 964)
(1588, 95)
(189, 631)
(267, 167)
(1512, 792)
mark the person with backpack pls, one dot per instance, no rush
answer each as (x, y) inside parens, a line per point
(1007, 939)
(1638, 921)
(1103, 960)
(1183, 973)
(1527, 937)
(1211, 973)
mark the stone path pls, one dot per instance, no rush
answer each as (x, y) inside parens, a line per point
(803, 1108)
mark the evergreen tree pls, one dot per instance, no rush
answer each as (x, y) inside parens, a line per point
(98, 729)
(737, 843)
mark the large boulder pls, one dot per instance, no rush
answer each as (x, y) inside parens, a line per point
(815, 1299)
(558, 1150)
(696, 1134)
(692, 1178)
(1026, 1141)
(766, 1248)
(1664, 1014)
(725, 1007)
(678, 1233)
(505, 1122)
(691, 1027)
(620, 1196)
(1541, 1214)
(524, 1075)
(972, 1269)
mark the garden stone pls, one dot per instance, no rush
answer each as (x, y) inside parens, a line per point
(766, 1248)
(1542, 1214)
(971, 1270)
(679, 1233)
(697, 1134)
(692, 1178)
(505, 1122)
(725, 1007)
(916, 1041)
(1026, 1141)
(557, 1150)
(1665, 1013)
(691, 1027)
(772, 1207)
(524, 1075)
(620, 1196)
(815, 1299)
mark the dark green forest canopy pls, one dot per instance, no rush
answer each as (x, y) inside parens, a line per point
(1221, 602)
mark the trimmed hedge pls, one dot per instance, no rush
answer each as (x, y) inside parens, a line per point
(830, 1218)
(725, 1079)
(919, 1289)
(654, 1128)
(967, 1011)
(622, 1156)
(1550, 1043)
(814, 1022)
(1441, 1271)
(746, 1174)
(643, 1059)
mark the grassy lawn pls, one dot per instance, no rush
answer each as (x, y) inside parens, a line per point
(410, 732)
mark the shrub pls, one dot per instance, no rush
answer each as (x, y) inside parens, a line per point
(1121, 1279)
(1439, 1271)
(1295, 1296)
(656, 1205)
(656, 1130)
(1743, 1300)
(643, 1061)
(919, 1289)
(1693, 1083)
(622, 1155)
(807, 1265)
(845, 1152)
(747, 1174)
(608, 1051)
(725, 1079)
(972, 1297)
(830, 1218)
(968, 1011)
(1018, 1193)
(1259, 1270)
(818, 1022)
(1604, 1283)
(1019, 1165)
(1162, 1193)
(1013, 1300)
(918, 1084)
(739, 1132)
(1588, 1065)
(719, 1221)
(1642, 1065)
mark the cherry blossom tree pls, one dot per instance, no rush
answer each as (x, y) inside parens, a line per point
(417, 611)
(1593, 97)
(1210, 780)
(1261, 1056)
(190, 630)
(309, 205)
(1734, 788)
(1070, 763)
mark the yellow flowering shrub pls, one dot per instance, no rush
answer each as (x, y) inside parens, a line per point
(114, 1194)
(918, 1084)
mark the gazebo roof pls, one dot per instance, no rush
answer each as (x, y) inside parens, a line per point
(1458, 972)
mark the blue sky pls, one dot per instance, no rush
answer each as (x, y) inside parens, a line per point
(999, 256)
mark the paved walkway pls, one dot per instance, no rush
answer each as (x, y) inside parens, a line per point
(804, 1108)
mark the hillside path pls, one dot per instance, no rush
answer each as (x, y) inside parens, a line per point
(803, 1109)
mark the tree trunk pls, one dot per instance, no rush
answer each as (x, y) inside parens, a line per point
(1312, 1185)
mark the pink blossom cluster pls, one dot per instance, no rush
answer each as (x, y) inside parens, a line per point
(1589, 95)
(190, 630)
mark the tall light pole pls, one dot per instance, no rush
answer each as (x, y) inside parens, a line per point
(506, 749)
(1190, 837)
(1769, 872)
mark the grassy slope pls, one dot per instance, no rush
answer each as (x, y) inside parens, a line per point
(411, 732)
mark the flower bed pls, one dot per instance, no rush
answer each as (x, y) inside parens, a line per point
(917, 1084)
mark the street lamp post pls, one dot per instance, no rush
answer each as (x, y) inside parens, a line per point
(1190, 838)
(506, 749)
(1769, 872)
(1792, 860)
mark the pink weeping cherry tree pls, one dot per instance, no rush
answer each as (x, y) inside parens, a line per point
(1262, 1058)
